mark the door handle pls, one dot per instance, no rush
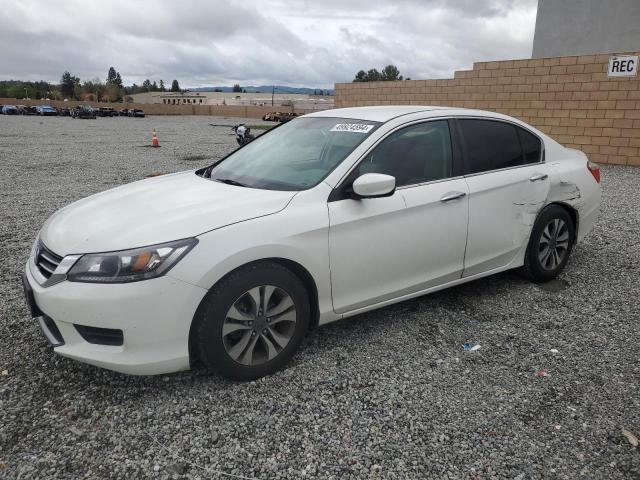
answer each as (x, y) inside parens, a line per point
(538, 176)
(452, 196)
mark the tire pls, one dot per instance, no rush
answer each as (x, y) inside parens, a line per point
(251, 347)
(554, 229)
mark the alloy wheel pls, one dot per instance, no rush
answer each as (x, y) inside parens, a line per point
(259, 325)
(554, 244)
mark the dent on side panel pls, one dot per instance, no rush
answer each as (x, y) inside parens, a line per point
(559, 189)
(562, 189)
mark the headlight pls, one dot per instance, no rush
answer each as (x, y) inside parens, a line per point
(130, 265)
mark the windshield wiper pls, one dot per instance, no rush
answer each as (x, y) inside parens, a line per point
(228, 181)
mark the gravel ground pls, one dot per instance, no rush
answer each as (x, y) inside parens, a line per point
(388, 394)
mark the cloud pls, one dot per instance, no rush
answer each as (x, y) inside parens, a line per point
(203, 43)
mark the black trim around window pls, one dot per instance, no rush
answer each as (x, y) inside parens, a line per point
(461, 168)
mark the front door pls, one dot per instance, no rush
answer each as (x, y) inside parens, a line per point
(385, 248)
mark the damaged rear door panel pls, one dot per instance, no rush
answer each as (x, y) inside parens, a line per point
(508, 184)
(503, 206)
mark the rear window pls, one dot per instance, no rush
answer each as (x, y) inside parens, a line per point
(490, 145)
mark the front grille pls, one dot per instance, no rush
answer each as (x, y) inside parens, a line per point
(46, 260)
(100, 336)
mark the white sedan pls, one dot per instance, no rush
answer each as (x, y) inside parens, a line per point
(327, 216)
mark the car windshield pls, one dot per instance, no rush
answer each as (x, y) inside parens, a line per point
(294, 156)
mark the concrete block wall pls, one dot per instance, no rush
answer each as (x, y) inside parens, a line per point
(570, 98)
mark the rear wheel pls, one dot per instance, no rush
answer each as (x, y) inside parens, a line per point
(550, 244)
(252, 322)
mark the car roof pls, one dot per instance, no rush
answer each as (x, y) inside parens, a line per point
(386, 113)
(375, 114)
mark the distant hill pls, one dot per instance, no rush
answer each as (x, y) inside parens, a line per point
(266, 89)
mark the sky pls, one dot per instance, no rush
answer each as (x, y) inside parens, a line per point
(251, 42)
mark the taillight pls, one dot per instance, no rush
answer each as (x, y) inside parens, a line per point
(594, 168)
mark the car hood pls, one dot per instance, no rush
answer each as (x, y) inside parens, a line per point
(155, 210)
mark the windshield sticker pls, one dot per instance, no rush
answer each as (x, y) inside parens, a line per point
(352, 127)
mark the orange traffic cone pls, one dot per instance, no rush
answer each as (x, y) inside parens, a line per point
(154, 139)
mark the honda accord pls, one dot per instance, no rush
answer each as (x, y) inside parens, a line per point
(324, 217)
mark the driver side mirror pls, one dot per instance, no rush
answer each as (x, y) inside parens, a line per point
(374, 185)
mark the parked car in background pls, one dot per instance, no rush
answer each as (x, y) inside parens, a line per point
(1, 108)
(106, 112)
(279, 116)
(83, 111)
(124, 112)
(136, 112)
(331, 215)
(9, 110)
(29, 110)
(46, 110)
(64, 112)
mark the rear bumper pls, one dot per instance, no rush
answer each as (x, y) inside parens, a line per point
(154, 317)
(588, 215)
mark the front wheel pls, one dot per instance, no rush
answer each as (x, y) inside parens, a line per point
(252, 322)
(550, 244)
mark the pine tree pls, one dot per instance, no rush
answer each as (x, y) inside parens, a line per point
(112, 75)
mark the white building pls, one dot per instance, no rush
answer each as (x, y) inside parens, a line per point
(584, 27)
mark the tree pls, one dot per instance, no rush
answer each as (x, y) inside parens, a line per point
(114, 86)
(154, 86)
(113, 92)
(147, 85)
(162, 89)
(112, 75)
(175, 86)
(68, 85)
(15, 91)
(390, 73)
(361, 76)
(373, 75)
(94, 86)
(237, 88)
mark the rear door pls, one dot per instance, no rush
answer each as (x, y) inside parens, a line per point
(508, 184)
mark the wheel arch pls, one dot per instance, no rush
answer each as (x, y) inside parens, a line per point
(294, 267)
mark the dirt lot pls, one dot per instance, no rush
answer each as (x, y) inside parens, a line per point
(388, 394)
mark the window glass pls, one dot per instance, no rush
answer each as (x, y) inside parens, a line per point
(294, 156)
(490, 145)
(531, 146)
(416, 154)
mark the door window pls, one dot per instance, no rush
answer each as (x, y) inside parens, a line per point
(531, 146)
(416, 154)
(492, 145)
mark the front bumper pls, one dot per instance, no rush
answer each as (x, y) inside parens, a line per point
(154, 315)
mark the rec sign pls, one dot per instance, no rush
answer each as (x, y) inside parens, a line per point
(626, 66)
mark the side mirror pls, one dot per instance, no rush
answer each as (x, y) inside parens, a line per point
(374, 185)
